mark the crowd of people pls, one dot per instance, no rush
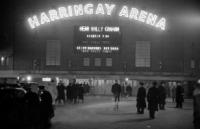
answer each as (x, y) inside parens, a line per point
(155, 97)
(73, 93)
(24, 109)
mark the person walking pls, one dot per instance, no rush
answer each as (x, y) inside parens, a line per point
(162, 96)
(179, 96)
(141, 95)
(116, 90)
(152, 98)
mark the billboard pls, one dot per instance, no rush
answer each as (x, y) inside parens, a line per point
(97, 39)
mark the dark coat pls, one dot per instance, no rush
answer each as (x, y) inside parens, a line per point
(162, 95)
(129, 90)
(179, 94)
(116, 89)
(32, 108)
(152, 98)
(80, 92)
(69, 91)
(141, 95)
(61, 91)
(46, 107)
(74, 90)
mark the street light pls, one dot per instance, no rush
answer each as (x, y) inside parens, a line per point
(2, 60)
(29, 78)
(126, 79)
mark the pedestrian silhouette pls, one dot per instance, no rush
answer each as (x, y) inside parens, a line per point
(152, 98)
(116, 90)
(141, 102)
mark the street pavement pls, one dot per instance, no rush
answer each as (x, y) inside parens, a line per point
(97, 113)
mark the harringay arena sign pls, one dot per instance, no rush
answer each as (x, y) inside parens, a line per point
(99, 9)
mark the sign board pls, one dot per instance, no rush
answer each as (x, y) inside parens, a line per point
(99, 9)
(97, 39)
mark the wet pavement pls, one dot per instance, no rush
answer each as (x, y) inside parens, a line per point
(97, 113)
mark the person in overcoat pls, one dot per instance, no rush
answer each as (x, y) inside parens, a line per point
(152, 98)
(162, 96)
(141, 102)
(179, 96)
(46, 107)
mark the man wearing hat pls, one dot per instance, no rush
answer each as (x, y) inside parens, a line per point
(141, 95)
(46, 107)
(152, 98)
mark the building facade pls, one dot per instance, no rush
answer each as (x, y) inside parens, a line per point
(104, 40)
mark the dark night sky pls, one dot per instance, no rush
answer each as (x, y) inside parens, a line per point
(183, 13)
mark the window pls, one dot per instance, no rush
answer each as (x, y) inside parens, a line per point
(86, 61)
(97, 61)
(142, 54)
(53, 52)
(109, 62)
(192, 64)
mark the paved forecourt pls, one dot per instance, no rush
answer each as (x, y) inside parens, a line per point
(97, 113)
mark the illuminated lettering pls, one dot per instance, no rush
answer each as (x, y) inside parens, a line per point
(78, 10)
(96, 29)
(47, 79)
(53, 15)
(62, 12)
(88, 9)
(44, 18)
(93, 36)
(70, 11)
(124, 11)
(142, 16)
(84, 28)
(111, 29)
(33, 22)
(151, 19)
(134, 14)
(161, 23)
(109, 8)
(100, 9)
